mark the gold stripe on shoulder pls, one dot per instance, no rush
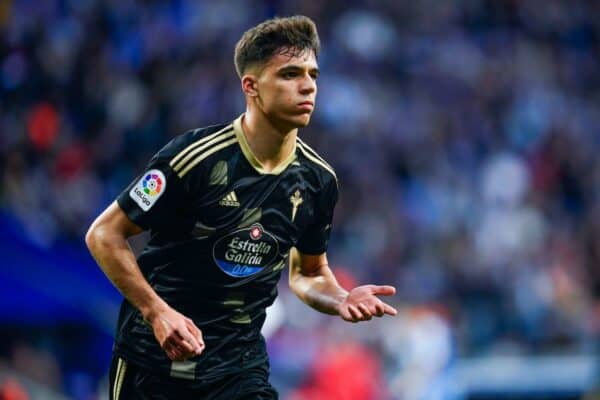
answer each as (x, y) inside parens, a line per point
(202, 148)
(204, 155)
(313, 152)
(198, 143)
(316, 159)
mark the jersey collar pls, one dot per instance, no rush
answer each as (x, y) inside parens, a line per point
(254, 162)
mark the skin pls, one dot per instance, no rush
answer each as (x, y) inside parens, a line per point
(275, 93)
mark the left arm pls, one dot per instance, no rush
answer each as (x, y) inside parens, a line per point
(313, 282)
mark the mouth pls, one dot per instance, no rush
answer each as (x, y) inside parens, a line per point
(306, 105)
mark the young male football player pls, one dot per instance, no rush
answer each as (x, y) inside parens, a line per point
(226, 206)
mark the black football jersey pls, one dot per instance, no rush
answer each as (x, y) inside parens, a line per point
(221, 229)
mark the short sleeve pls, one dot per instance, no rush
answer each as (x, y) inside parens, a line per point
(157, 198)
(315, 238)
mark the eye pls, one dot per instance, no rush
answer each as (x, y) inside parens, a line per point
(289, 74)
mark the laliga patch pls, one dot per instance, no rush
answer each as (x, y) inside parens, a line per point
(148, 189)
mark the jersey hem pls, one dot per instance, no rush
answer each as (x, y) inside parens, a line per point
(165, 371)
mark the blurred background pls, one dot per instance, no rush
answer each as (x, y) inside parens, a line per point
(465, 135)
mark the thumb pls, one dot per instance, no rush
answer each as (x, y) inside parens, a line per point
(384, 290)
(197, 334)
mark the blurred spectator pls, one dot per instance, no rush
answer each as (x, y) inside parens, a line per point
(345, 371)
(10, 389)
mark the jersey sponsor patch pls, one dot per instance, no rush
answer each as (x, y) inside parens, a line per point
(148, 189)
(246, 251)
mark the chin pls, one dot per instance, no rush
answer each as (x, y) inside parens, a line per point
(301, 121)
(292, 121)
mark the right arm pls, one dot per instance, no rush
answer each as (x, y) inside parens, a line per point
(106, 239)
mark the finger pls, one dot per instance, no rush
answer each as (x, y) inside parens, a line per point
(356, 315)
(182, 340)
(365, 312)
(180, 346)
(172, 352)
(197, 334)
(345, 314)
(182, 353)
(178, 356)
(192, 345)
(389, 310)
(384, 290)
(379, 309)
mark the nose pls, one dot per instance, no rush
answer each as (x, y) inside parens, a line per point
(308, 85)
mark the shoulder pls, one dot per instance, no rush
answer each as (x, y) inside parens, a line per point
(316, 163)
(189, 149)
(187, 141)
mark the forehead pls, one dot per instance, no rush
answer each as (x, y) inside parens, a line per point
(281, 59)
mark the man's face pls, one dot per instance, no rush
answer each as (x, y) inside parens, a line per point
(287, 88)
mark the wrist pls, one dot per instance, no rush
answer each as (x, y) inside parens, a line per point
(339, 301)
(152, 310)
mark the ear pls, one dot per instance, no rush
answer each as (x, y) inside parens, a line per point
(249, 85)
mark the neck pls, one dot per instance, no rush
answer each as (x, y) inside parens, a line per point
(270, 143)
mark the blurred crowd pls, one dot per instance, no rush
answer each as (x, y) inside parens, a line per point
(465, 136)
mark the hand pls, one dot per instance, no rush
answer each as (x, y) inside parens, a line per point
(177, 335)
(362, 303)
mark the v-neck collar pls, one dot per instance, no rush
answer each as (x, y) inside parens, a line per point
(254, 162)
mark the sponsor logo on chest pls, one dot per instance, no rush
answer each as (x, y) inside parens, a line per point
(245, 252)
